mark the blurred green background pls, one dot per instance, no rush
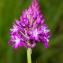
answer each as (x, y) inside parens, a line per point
(53, 13)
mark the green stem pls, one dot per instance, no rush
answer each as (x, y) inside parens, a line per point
(29, 55)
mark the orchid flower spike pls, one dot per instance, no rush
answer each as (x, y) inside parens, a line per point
(30, 28)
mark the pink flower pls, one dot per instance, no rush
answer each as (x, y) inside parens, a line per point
(30, 29)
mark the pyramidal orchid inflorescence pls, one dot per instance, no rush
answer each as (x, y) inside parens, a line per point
(30, 29)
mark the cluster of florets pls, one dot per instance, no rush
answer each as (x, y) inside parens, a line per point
(30, 28)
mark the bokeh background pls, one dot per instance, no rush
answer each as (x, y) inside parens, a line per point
(53, 13)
